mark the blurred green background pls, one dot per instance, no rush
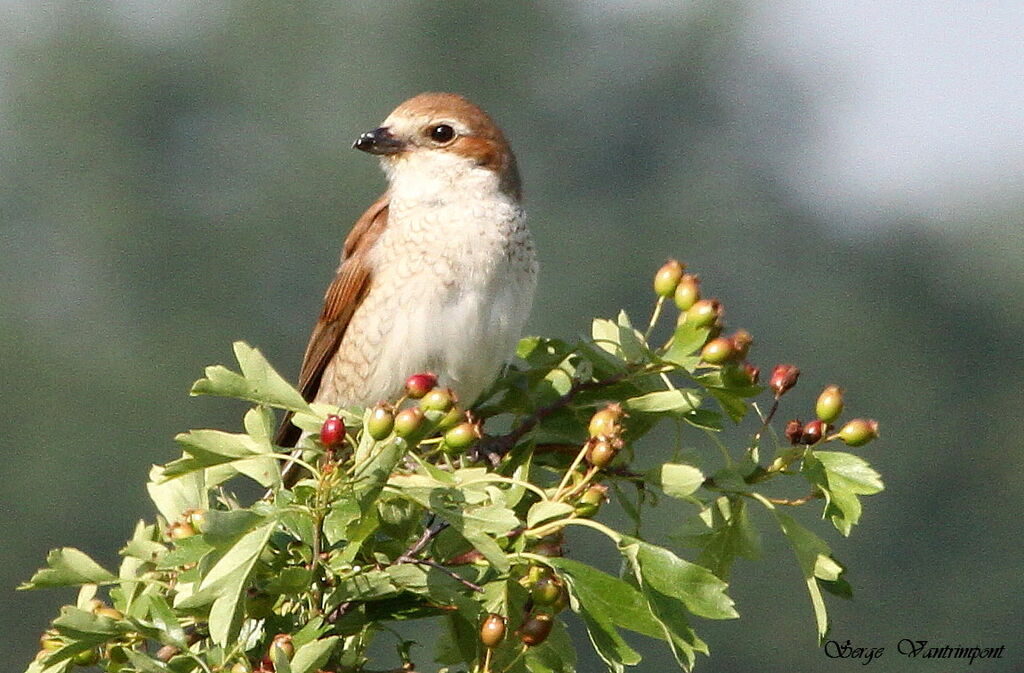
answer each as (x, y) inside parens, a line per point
(177, 175)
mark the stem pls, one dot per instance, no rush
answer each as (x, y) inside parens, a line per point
(580, 455)
(654, 317)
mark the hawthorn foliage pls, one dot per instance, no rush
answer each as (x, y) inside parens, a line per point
(416, 510)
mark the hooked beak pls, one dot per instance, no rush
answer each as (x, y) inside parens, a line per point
(379, 141)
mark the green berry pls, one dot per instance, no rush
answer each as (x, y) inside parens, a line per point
(704, 313)
(605, 423)
(667, 278)
(830, 404)
(546, 591)
(408, 421)
(438, 399)
(602, 452)
(859, 431)
(718, 351)
(381, 422)
(461, 437)
(687, 292)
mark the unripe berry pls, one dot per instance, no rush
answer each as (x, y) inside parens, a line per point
(492, 631)
(241, 667)
(418, 385)
(438, 399)
(601, 452)
(718, 351)
(829, 404)
(605, 423)
(859, 431)
(196, 517)
(283, 642)
(591, 500)
(109, 613)
(381, 422)
(687, 292)
(813, 430)
(50, 641)
(536, 629)
(783, 378)
(546, 591)
(741, 343)
(667, 278)
(461, 437)
(180, 530)
(704, 313)
(794, 431)
(86, 658)
(408, 420)
(332, 433)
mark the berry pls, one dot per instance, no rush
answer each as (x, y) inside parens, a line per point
(753, 372)
(704, 313)
(381, 422)
(591, 500)
(718, 351)
(408, 420)
(86, 658)
(165, 653)
(196, 517)
(108, 612)
(492, 631)
(180, 530)
(438, 399)
(667, 278)
(794, 431)
(283, 642)
(859, 431)
(813, 430)
(741, 343)
(829, 404)
(605, 423)
(461, 437)
(418, 385)
(536, 629)
(546, 591)
(783, 378)
(687, 292)
(602, 452)
(332, 433)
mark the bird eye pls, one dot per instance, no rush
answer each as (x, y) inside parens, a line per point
(441, 133)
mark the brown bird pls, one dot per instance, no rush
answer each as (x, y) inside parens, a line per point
(437, 275)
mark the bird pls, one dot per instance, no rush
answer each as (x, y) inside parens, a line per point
(438, 275)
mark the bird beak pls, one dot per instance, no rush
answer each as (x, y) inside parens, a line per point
(379, 141)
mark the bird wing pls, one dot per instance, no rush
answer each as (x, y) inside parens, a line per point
(343, 297)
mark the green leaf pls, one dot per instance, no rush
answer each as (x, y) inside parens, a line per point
(164, 620)
(173, 496)
(686, 341)
(209, 448)
(547, 510)
(700, 591)
(808, 548)
(68, 567)
(312, 656)
(734, 406)
(704, 419)
(601, 593)
(143, 663)
(723, 531)
(631, 342)
(841, 477)
(678, 401)
(257, 383)
(678, 480)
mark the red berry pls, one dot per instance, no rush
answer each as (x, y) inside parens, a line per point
(753, 372)
(536, 629)
(794, 431)
(332, 433)
(418, 385)
(783, 378)
(741, 343)
(813, 430)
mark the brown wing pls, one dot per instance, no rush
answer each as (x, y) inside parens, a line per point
(343, 296)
